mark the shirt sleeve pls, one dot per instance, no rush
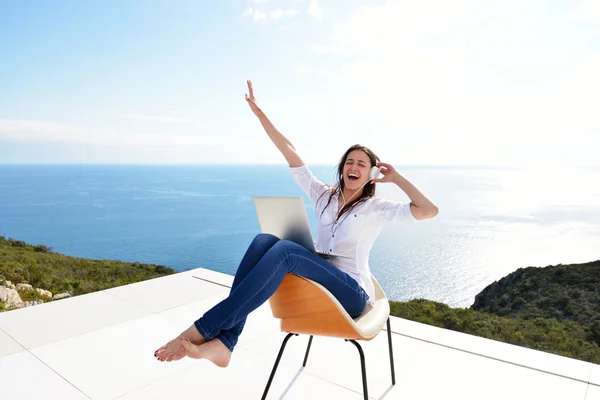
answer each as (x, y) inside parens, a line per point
(392, 211)
(312, 186)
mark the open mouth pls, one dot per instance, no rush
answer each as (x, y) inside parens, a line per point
(353, 177)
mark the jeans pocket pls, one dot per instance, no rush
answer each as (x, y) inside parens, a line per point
(363, 293)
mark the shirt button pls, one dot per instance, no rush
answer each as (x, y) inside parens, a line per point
(332, 235)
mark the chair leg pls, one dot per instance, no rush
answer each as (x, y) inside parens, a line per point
(289, 335)
(389, 331)
(307, 350)
(362, 366)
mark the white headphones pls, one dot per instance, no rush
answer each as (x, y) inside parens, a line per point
(374, 173)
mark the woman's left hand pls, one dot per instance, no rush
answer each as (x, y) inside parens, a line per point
(388, 171)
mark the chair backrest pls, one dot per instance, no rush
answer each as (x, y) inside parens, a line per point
(379, 293)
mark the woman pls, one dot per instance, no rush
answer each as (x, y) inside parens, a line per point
(349, 219)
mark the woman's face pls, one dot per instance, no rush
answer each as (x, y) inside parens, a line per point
(356, 169)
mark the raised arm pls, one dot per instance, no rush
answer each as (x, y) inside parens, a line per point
(282, 143)
(420, 205)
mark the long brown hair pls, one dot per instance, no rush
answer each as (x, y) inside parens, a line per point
(368, 189)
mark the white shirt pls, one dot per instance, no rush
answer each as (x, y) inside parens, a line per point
(355, 232)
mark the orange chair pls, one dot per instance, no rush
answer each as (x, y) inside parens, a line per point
(305, 307)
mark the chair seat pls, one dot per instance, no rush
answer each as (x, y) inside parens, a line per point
(306, 307)
(372, 321)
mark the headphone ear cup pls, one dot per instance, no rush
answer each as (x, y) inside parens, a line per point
(375, 171)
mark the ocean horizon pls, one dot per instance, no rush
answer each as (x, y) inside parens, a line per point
(493, 220)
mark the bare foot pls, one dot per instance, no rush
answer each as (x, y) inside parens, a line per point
(213, 350)
(173, 351)
(177, 356)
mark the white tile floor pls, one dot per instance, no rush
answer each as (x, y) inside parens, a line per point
(49, 322)
(8, 345)
(100, 346)
(593, 393)
(595, 375)
(114, 361)
(165, 293)
(439, 371)
(558, 365)
(24, 377)
(212, 276)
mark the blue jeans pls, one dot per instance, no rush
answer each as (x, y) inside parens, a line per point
(260, 273)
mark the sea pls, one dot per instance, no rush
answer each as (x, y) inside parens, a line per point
(492, 221)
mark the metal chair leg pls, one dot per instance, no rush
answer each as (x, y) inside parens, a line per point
(360, 352)
(289, 335)
(389, 332)
(363, 367)
(307, 350)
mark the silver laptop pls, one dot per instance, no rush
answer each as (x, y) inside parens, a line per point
(286, 218)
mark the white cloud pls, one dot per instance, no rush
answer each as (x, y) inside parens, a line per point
(278, 13)
(257, 15)
(163, 118)
(39, 130)
(312, 70)
(314, 9)
(588, 10)
(262, 15)
(320, 49)
(469, 77)
(26, 130)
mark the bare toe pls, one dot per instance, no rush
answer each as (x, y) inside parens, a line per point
(168, 351)
(160, 350)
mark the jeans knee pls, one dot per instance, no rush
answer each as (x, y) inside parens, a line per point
(283, 249)
(264, 238)
(282, 245)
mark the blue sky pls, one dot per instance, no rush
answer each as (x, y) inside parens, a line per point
(430, 82)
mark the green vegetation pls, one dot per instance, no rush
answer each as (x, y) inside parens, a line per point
(561, 292)
(30, 295)
(555, 309)
(42, 268)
